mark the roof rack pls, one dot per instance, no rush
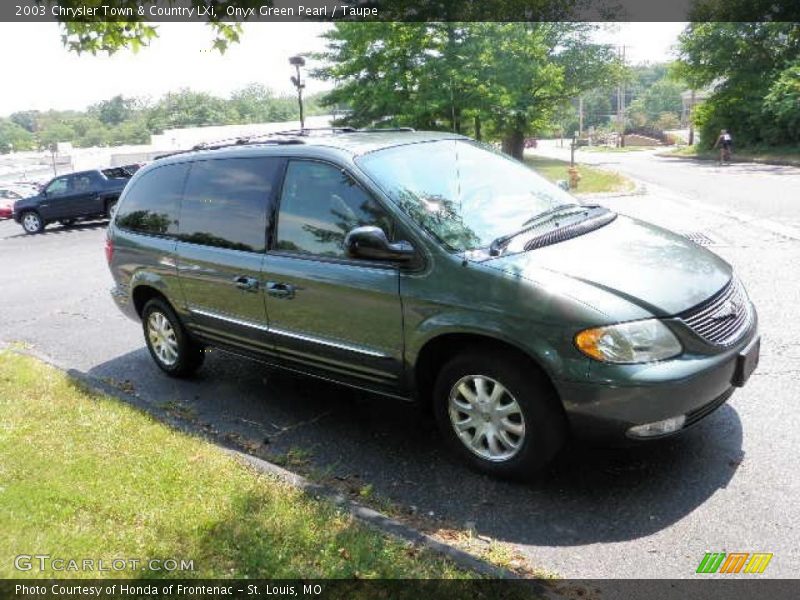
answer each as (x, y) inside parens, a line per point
(289, 136)
(382, 129)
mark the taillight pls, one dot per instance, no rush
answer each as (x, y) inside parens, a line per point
(109, 249)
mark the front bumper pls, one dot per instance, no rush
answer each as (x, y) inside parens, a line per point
(618, 397)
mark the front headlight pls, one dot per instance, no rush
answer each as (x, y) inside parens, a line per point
(634, 342)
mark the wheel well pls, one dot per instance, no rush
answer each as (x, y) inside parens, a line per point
(436, 352)
(143, 294)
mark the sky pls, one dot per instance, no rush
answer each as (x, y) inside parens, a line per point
(45, 75)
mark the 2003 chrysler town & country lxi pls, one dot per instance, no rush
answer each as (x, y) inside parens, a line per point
(429, 267)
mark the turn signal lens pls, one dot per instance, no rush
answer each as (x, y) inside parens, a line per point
(633, 342)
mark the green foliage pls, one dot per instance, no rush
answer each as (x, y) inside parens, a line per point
(14, 137)
(187, 108)
(134, 29)
(256, 103)
(507, 79)
(666, 120)
(121, 120)
(663, 96)
(752, 69)
(113, 111)
(782, 103)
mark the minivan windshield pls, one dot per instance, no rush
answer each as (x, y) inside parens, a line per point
(464, 193)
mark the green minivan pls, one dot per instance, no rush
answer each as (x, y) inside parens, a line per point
(431, 268)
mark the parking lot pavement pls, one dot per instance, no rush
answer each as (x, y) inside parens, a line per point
(728, 485)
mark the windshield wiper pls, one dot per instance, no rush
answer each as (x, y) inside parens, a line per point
(552, 211)
(500, 243)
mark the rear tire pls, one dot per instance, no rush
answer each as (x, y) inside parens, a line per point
(31, 222)
(172, 349)
(499, 414)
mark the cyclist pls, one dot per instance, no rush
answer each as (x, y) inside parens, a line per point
(724, 143)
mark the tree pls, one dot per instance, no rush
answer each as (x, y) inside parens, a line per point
(130, 28)
(255, 103)
(507, 78)
(13, 137)
(55, 131)
(663, 96)
(782, 103)
(187, 108)
(113, 111)
(27, 119)
(748, 66)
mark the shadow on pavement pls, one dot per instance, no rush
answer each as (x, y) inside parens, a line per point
(55, 229)
(590, 495)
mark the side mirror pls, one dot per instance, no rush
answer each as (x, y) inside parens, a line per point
(371, 243)
(563, 184)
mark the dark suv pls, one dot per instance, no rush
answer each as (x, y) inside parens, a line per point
(75, 197)
(427, 267)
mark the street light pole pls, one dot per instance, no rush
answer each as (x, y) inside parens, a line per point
(298, 61)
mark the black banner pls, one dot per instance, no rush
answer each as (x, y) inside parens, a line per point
(700, 588)
(398, 10)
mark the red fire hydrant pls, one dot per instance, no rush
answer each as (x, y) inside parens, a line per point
(574, 177)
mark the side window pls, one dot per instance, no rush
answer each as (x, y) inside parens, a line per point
(82, 183)
(319, 205)
(225, 203)
(58, 187)
(151, 206)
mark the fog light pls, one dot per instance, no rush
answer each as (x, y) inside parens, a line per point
(658, 428)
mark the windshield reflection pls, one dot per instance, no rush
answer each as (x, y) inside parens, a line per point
(465, 193)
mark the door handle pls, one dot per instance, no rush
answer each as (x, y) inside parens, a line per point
(248, 284)
(280, 290)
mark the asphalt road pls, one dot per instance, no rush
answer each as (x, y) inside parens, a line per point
(765, 191)
(730, 484)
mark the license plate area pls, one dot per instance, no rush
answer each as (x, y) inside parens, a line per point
(746, 363)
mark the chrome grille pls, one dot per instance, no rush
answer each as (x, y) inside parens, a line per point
(723, 318)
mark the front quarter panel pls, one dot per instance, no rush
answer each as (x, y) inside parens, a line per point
(451, 297)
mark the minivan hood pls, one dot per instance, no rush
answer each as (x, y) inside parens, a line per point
(651, 267)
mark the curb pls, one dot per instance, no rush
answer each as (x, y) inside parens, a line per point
(366, 515)
(761, 161)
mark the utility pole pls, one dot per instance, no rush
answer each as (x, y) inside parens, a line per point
(580, 116)
(621, 100)
(53, 151)
(297, 62)
(691, 121)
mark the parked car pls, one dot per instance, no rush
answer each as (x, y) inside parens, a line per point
(9, 194)
(133, 167)
(69, 198)
(431, 268)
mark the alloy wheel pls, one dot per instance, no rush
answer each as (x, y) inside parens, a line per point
(161, 335)
(486, 418)
(31, 222)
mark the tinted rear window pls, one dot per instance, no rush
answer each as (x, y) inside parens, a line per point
(151, 206)
(118, 173)
(225, 203)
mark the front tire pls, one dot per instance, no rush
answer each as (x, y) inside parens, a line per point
(499, 414)
(31, 222)
(172, 349)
